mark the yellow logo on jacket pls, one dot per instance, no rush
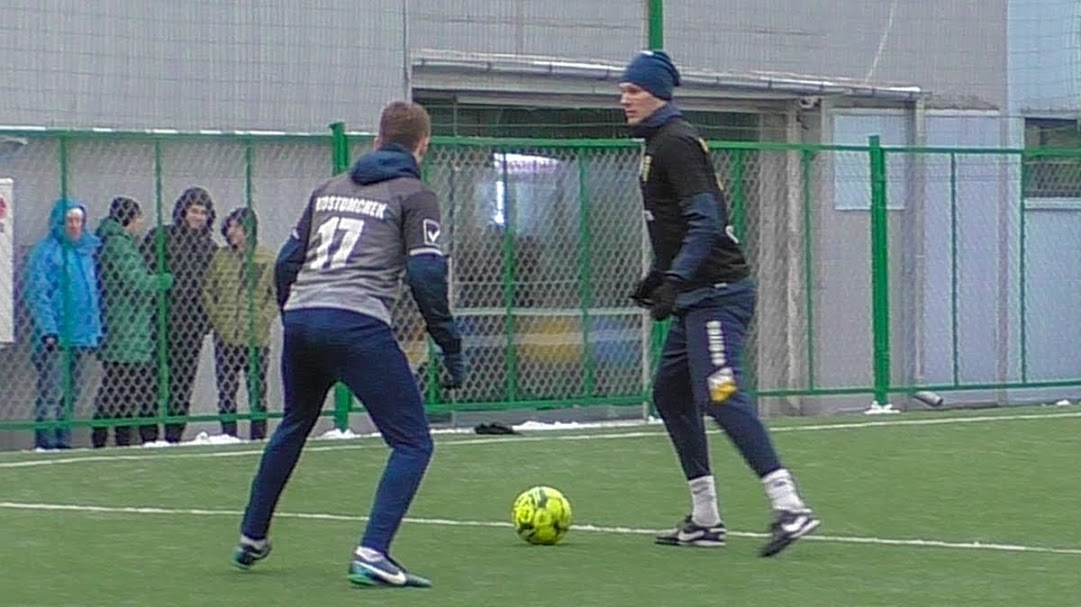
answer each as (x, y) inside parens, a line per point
(709, 157)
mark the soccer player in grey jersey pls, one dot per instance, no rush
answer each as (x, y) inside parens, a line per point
(338, 277)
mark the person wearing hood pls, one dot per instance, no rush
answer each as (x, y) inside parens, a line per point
(339, 276)
(62, 296)
(239, 299)
(184, 249)
(128, 288)
(700, 276)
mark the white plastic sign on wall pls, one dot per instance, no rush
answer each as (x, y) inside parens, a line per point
(7, 262)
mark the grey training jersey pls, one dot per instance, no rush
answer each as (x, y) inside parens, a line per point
(358, 240)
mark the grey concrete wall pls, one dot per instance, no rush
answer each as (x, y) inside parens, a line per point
(299, 66)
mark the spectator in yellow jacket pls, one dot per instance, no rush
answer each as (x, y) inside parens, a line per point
(238, 295)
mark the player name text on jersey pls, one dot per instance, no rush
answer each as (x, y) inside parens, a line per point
(347, 204)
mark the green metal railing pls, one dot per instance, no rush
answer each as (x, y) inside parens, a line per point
(546, 246)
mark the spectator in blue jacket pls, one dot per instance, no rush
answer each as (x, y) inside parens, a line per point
(62, 295)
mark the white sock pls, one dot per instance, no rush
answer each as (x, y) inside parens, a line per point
(257, 544)
(782, 492)
(704, 501)
(369, 554)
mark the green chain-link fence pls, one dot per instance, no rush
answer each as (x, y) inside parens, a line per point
(880, 271)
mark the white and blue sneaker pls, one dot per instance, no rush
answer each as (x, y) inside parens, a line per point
(371, 568)
(788, 526)
(689, 533)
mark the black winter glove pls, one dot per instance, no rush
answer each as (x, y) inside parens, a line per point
(643, 292)
(454, 363)
(663, 299)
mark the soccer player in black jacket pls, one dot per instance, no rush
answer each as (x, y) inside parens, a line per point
(700, 276)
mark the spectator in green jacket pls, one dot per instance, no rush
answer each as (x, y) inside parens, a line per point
(239, 298)
(128, 385)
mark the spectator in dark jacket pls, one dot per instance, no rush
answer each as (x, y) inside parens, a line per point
(184, 249)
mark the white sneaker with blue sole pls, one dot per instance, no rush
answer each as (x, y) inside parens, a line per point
(373, 569)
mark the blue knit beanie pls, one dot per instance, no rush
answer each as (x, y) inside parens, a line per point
(654, 72)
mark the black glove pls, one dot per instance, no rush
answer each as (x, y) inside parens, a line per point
(454, 363)
(643, 292)
(663, 299)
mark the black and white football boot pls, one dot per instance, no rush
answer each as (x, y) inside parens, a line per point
(688, 533)
(788, 526)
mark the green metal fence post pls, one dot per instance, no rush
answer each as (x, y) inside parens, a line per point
(738, 221)
(509, 285)
(432, 369)
(66, 354)
(255, 353)
(655, 20)
(738, 210)
(1022, 285)
(806, 163)
(161, 318)
(954, 288)
(343, 399)
(585, 272)
(880, 296)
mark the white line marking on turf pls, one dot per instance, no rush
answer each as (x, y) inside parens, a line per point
(318, 516)
(532, 439)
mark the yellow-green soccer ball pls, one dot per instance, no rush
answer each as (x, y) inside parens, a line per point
(541, 515)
